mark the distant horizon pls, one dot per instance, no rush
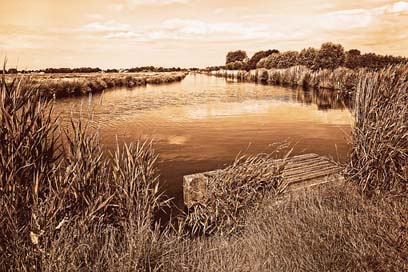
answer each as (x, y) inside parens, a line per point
(120, 34)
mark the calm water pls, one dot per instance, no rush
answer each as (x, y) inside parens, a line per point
(203, 122)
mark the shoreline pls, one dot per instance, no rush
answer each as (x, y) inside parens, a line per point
(342, 79)
(71, 85)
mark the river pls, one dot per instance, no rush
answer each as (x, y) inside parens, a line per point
(203, 122)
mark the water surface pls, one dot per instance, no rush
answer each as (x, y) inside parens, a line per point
(203, 122)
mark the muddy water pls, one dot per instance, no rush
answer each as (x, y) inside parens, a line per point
(203, 122)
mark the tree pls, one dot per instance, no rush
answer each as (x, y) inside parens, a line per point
(287, 59)
(252, 63)
(330, 56)
(238, 55)
(12, 71)
(307, 57)
(272, 61)
(262, 63)
(353, 59)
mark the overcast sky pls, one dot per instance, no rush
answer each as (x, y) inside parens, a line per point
(187, 33)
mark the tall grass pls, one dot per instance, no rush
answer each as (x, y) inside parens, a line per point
(379, 157)
(340, 79)
(231, 191)
(64, 85)
(331, 228)
(64, 203)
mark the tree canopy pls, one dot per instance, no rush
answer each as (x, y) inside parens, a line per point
(233, 56)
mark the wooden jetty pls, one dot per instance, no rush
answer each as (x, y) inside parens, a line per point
(300, 172)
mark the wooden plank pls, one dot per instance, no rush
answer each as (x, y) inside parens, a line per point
(308, 169)
(300, 171)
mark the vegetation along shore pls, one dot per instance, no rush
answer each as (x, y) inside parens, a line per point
(330, 67)
(66, 204)
(76, 84)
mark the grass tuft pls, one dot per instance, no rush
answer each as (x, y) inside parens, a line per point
(379, 157)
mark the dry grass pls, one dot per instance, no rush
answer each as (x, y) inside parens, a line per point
(340, 79)
(379, 157)
(233, 190)
(330, 229)
(65, 204)
(64, 85)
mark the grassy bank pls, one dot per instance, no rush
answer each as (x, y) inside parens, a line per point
(330, 229)
(340, 79)
(67, 205)
(64, 85)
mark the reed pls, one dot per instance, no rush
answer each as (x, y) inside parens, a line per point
(233, 190)
(64, 203)
(65, 85)
(341, 79)
(379, 157)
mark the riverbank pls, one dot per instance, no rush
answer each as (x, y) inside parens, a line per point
(66, 85)
(341, 79)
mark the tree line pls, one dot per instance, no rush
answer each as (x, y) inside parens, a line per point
(97, 70)
(328, 56)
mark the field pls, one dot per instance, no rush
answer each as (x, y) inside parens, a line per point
(67, 204)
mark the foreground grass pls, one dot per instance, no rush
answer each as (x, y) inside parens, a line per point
(64, 203)
(333, 228)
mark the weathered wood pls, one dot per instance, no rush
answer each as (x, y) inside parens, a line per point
(299, 172)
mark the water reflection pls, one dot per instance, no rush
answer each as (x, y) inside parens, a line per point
(324, 99)
(203, 122)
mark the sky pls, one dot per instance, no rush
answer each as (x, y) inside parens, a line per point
(37, 34)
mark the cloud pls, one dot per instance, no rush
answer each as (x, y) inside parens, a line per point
(398, 7)
(116, 7)
(359, 18)
(193, 29)
(353, 18)
(133, 3)
(127, 35)
(109, 26)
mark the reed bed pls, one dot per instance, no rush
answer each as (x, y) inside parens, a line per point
(379, 157)
(341, 79)
(64, 203)
(62, 85)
